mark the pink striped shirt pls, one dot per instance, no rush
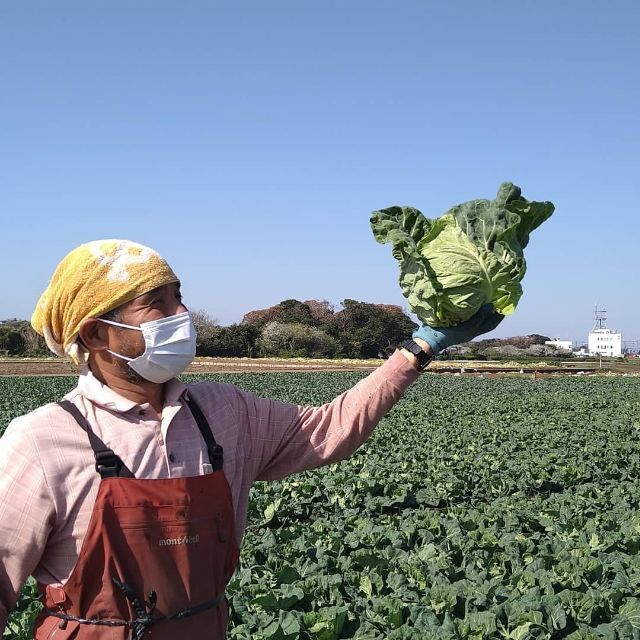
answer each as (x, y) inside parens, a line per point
(48, 481)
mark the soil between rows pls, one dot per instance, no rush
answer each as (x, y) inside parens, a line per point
(60, 367)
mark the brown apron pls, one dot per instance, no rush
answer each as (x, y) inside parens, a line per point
(156, 557)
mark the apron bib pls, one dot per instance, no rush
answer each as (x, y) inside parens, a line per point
(156, 557)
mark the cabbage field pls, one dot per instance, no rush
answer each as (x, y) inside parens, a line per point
(481, 508)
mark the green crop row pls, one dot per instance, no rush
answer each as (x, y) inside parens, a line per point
(479, 509)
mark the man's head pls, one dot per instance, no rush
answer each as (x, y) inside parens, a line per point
(150, 338)
(97, 278)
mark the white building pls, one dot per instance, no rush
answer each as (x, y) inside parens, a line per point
(605, 342)
(564, 345)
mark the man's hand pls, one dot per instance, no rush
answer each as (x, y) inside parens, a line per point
(439, 338)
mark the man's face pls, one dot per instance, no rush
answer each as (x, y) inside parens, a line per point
(159, 303)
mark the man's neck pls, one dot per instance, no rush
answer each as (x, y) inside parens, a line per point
(139, 392)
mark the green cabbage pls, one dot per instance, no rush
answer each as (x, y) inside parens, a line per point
(472, 255)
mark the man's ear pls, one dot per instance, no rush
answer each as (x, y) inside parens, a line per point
(93, 334)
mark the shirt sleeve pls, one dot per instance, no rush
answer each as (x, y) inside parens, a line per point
(26, 514)
(286, 439)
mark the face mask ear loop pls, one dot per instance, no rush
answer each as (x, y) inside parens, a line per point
(119, 324)
(117, 355)
(124, 326)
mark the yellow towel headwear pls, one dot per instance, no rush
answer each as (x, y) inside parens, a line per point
(91, 280)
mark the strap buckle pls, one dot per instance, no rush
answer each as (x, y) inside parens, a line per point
(107, 463)
(216, 456)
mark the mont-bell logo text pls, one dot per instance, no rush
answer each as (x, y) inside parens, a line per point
(172, 542)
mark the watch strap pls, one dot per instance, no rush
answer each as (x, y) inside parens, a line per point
(421, 355)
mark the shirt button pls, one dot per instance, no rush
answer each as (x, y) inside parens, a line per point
(172, 458)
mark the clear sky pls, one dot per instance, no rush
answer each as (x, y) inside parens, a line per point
(248, 142)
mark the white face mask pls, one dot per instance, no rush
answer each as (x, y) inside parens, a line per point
(170, 346)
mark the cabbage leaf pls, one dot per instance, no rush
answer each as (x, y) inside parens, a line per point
(473, 254)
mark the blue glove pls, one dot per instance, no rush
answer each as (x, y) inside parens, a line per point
(439, 338)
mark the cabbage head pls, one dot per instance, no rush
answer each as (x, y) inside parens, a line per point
(473, 254)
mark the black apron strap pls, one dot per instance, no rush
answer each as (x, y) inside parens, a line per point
(108, 464)
(213, 448)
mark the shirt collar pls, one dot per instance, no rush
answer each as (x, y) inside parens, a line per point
(102, 395)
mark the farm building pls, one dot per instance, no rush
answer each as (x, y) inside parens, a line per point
(603, 341)
(564, 345)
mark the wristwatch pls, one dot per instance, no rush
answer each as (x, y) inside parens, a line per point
(422, 356)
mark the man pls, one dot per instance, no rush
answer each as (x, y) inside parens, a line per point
(127, 500)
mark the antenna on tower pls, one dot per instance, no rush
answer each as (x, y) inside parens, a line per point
(599, 318)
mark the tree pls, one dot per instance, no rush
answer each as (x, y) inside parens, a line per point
(260, 317)
(287, 311)
(11, 340)
(34, 343)
(321, 310)
(287, 339)
(364, 329)
(20, 339)
(236, 340)
(294, 311)
(206, 327)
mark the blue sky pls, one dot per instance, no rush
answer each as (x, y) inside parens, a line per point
(248, 142)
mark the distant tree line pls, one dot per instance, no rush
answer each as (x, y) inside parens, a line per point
(517, 347)
(310, 329)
